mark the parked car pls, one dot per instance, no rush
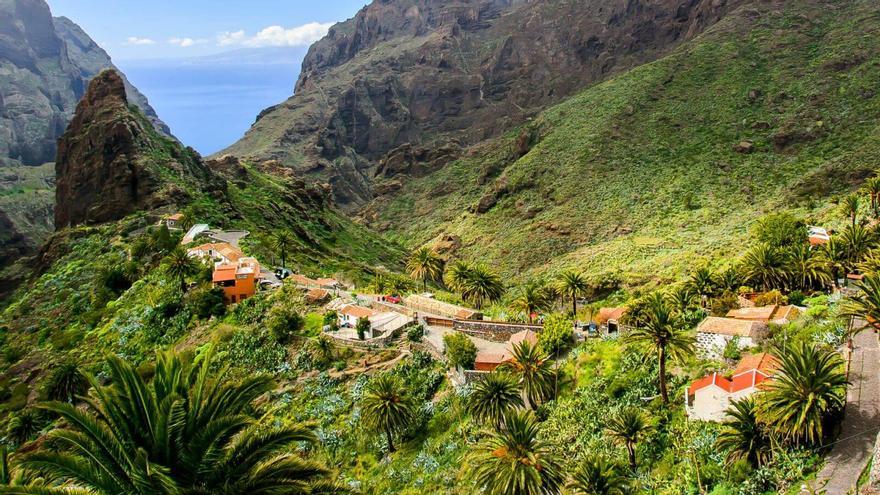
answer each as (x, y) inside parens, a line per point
(282, 273)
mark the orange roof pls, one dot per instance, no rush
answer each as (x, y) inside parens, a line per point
(753, 370)
(492, 357)
(357, 311)
(327, 281)
(225, 249)
(606, 314)
(303, 280)
(817, 240)
(175, 217)
(731, 326)
(224, 273)
(524, 336)
(316, 294)
(764, 313)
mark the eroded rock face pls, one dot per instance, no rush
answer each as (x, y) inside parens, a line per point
(47, 63)
(422, 73)
(112, 163)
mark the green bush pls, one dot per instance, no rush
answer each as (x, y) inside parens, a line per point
(731, 349)
(415, 333)
(284, 322)
(363, 326)
(206, 301)
(64, 383)
(772, 297)
(460, 350)
(558, 334)
(796, 298)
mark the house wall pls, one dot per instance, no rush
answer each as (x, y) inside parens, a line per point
(711, 403)
(711, 345)
(243, 289)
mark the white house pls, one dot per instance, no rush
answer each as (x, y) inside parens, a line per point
(709, 398)
(715, 332)
(349, 314)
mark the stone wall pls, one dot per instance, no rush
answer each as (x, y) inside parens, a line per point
(494, 331)
(711, 345)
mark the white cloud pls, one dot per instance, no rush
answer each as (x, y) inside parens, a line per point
(276, 36)
(186, 42)
(134, 40)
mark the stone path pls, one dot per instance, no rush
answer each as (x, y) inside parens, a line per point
(850, 454)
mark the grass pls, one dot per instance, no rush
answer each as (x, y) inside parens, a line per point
(637, 176)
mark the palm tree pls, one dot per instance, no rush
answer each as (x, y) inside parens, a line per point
(764, 266)
(531, 366)
(850, 206)
(810, 384)
(457, 275)
(495, 396)
(702, 281)
(728, 280)
(65, 382)
(872, 187)
(190, 430)
(321, 349)
(865, 304)
(424, 265)
(387, 406)
(533, 297)
(627, 427)
(834, 253)
(661, 332)
(281, 242)
(806, 270)
(595, 475)
(483, 286)
(572, 284)
(743, 437)
(681, 299)
(858, 241)
(514, 461)
(180, 265)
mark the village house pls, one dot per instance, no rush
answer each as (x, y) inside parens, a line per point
(304, 282)
(818, 236)
(349, 314)
(317, 296)
(328, 283)
(487, 361)
(173, 221)
(237, 279)
(708, 398)
(425, 304)
(381, 323)
(714, 333)
(218, 252)
(774, 313)
(609, 318)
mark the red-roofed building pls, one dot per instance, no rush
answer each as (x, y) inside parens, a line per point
(609, 318)
(488, 361)
(173, 221)
(238, 280)
(709, 397)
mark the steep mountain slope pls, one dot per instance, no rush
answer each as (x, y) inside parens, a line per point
(45, 66)
(406, 85)
(775, 107)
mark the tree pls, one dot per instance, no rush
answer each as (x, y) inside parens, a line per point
(743, 436)
(858, 241)
(425, 265)
(460, 350)
(532, 298)
(627, 428)
(387, 406)
(810, 384)
(531, 367)
(764, 267)
(572, 284)
(865, 304)
(682, 299)
(834, 254)
(23, 425)
(179, 265)
(780, 230)
(806, 270)
(65, 383)
(595, 475)
(281, 242)
(850, 205)
(321, 350)
(284, 322)
(363, 326)
(497, 395)
(728, 280)
(189, 430)
(558, 334)
(514, 461)
(483, 286)
(660, 330)
(702, 281)
(872, 188)
(457, 275)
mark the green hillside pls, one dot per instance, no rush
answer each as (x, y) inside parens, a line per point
(640, 176)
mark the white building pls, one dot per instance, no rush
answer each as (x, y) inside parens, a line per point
(709, 398)
(715, 332)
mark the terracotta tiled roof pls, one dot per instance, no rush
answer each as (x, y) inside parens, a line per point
(327, 281)
(753, 370)
(732, 326)
(224, 273)
(176, 217)
(492, 357)
(606, 314)
(316, 294)
(524, 336)
(357, 311)
(303, 280)
(765, 314)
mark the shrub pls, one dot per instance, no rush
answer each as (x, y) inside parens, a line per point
(796, 298)
(23, 426)
(772, 297)
(284, 322)
(731, 349)
(64, 383)
(331, 317)
(725, 302)
(460, 350)
(415, 333)
(363, 326)
(780, 230)
(255, 352)
(206, 301)
(558, 334)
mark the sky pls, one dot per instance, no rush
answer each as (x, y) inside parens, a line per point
(144, 29)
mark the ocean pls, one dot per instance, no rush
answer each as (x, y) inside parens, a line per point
(209, 105)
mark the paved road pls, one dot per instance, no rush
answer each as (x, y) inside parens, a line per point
(434, 336)
(230, 236)
(850, 455)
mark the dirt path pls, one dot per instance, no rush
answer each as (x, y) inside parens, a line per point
(364, 369)
(854, 447)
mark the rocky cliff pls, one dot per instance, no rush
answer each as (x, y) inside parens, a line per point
(111, 163)
(47, 64)
(383, 91)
